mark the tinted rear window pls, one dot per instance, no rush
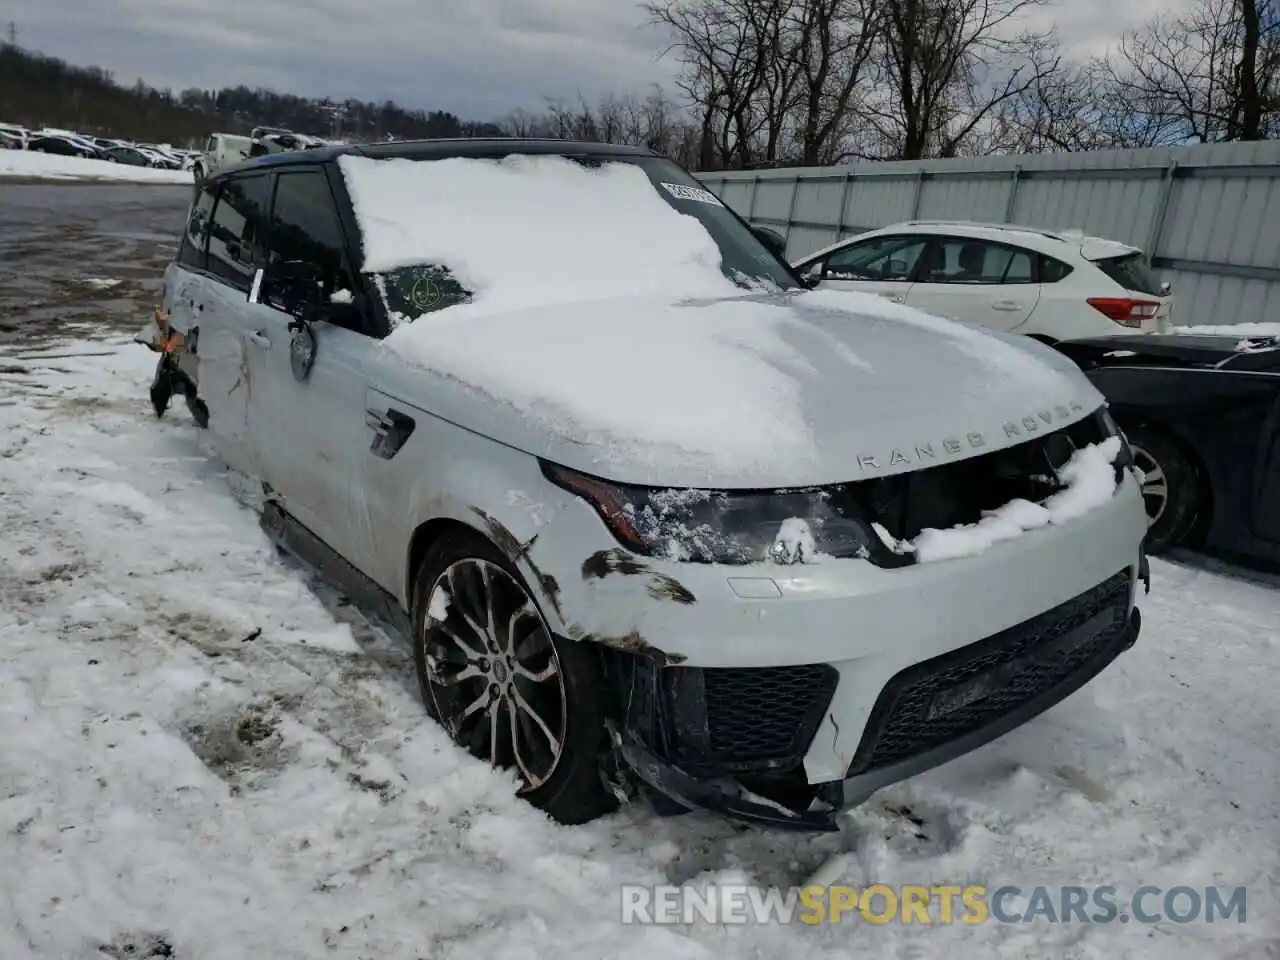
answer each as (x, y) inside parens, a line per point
(1131, 272)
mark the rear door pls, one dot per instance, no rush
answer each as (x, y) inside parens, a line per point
(236, 233)
(978, 282)
(883, 265)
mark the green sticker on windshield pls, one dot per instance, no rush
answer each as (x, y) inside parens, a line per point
(425, 293)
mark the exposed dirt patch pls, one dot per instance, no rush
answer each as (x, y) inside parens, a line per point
(246, 746)
(137, 946)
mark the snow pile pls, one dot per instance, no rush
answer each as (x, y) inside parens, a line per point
(1089, 478)
(201, 757)
(532, 230)
(794, 542)
(713, 381)
(48, 166)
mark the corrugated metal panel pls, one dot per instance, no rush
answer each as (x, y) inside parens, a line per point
(1209, 215)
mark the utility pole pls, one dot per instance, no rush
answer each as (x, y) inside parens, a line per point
(11, 34)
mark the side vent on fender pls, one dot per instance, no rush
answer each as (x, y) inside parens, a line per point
(391, 430)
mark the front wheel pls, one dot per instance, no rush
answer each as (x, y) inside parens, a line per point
(503, 686)
(1171, 490)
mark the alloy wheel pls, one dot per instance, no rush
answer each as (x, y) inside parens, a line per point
(1155, 485)
(493, 671)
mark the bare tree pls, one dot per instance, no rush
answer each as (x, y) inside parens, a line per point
(835, 41)
(1208, 75)
(948, 65)
(654, 120)
(724, 60)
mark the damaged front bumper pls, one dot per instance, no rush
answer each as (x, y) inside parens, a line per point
(927, 714)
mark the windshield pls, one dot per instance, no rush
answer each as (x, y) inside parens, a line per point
(410, 292)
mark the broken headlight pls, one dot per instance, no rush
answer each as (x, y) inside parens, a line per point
(730, 527)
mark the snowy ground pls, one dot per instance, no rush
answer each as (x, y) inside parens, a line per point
(31, 165)
(199, 750)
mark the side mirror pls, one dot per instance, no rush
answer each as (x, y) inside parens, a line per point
(772, 239)
(293, 286)
(811, 276)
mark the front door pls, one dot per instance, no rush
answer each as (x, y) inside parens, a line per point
(881, 265)
(309, 433)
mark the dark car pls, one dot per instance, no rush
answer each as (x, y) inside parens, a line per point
(1202, 414)
(62, 147)
(128, 155)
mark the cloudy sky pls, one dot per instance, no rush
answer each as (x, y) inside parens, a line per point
(478, 58)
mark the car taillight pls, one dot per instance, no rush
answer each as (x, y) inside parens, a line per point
(1124, 311)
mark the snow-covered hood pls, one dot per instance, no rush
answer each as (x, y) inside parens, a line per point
(759, 391)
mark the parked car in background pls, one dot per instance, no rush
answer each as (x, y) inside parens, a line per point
(14, 136)
(107, 143)
(1202, 415)
(131, 156)
(282, 141)
(78, 139)
(221, 150)
(159, 157)
(603, 582)
(64, 147)
(1046, 284)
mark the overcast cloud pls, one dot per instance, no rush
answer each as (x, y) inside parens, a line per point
(480, 59)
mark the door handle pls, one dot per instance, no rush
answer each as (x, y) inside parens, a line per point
(1007, 305)
(258, 339)
(391, 430)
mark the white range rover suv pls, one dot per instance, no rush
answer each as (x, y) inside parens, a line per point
(653, 516)
(1049, 285)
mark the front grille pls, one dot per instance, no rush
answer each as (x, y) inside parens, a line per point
(939, 700)
(722, 720)
(765, 712)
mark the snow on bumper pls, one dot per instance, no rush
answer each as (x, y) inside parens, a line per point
(862, 623)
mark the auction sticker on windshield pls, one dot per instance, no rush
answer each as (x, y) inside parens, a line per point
(682, 192)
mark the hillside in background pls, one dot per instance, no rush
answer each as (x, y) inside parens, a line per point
(38, 91)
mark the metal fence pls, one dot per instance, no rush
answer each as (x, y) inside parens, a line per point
(1208, 216)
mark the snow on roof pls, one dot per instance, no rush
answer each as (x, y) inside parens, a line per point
(531, 230)
(578, 275)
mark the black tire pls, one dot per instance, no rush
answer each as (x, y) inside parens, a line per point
(573, 792)
(1172, 490)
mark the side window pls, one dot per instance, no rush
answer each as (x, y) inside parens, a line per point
(305, 226)
(882, 258)
(1051, 270)
(237, 230)
(212, 145)
(965, 260)
(191, 253)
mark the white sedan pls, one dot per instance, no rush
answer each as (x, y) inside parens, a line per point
(1053, 286)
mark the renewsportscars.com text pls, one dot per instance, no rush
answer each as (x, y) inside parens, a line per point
(935, 904)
